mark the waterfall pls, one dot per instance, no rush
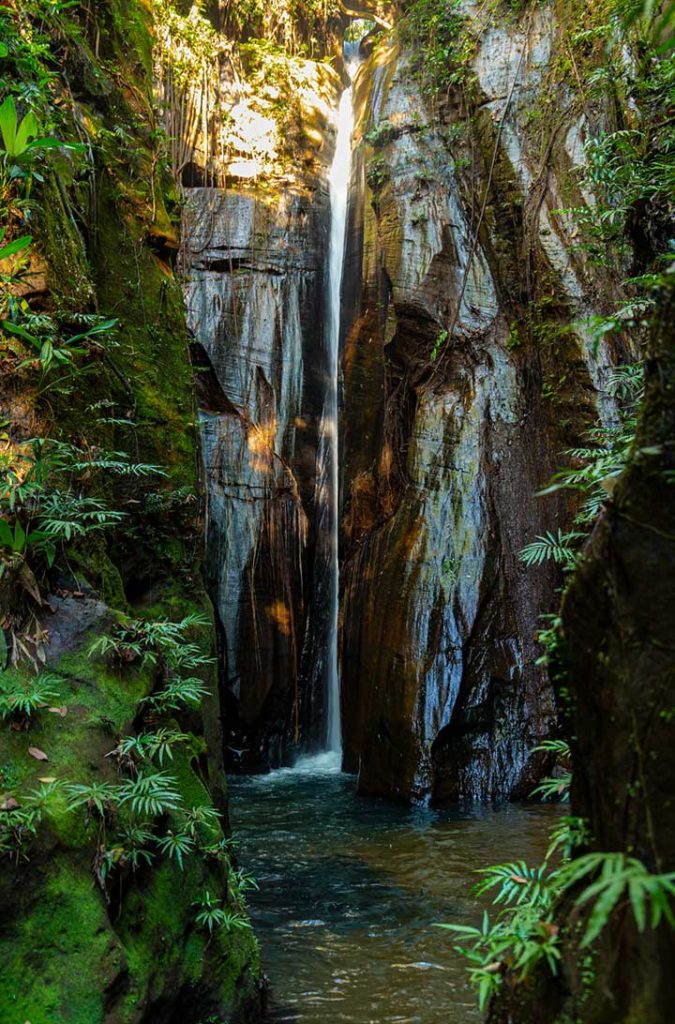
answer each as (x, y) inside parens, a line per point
(339, 192)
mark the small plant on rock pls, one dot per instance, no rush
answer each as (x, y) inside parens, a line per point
(150, 795)
(25, 699)
(212, 916)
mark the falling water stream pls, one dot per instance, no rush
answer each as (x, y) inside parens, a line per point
(339, 195)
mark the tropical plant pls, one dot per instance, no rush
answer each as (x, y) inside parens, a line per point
(63, 515)
(27, 697)
(20, 139)
(18, 827)
(135, 839)
(241, 882)
(178, 693)
(45, 336)
(15, 540)
(52, 456)
(525, 932)
(150, 795)
(517, 942)
(176, 845)
(98, 798)
(552, 547)
(19, 821)
(557, 788)
(147, 638)
(15, 248)
(40, 797)
(212, 916)
(201, 818)
(518, 884)
(220, 849)
(650, 896)
(149, 745)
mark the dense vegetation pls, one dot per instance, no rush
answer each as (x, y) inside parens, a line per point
(110, 754)
(113, 815)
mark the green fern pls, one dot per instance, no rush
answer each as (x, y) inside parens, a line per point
(150, 795)
(650, 896)
(177, 694)
(555, 788)
(63, 515)
(98, 797)
(212, 916)
(558, 548)
(27, 698)
(135, 839)
(176, 846)
(518, 884)
(149, 745)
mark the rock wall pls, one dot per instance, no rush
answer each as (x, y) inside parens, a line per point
(255, 260)
(614, 674)
(255, 299)
(467, 369)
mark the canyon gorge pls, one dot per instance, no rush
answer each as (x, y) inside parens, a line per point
(345, 288)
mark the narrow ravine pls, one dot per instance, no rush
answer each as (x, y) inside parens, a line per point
(337, 563)
(350, 890)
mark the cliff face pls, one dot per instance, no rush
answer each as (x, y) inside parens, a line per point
(255, 305)
(467, 369)
(613, 672)
(255, 248)
(615, 678)
(468, 365)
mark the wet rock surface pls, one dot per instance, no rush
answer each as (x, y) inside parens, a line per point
(466, 372)
(255, 298)
(467, 367)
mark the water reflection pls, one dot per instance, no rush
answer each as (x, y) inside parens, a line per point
(349, 890)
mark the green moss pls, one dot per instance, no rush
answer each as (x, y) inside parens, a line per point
(62, 944)
(63, 249)
(107, 241)
(91, 558)
(63, 923)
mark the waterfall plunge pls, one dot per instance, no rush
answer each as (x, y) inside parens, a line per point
(339, 193)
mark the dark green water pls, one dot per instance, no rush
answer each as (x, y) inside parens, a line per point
(350, 888)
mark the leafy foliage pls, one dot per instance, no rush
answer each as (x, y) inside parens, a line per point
(147, 639)
(17, 828)
(135, 839)
(557, 788)
(26, 698)
(617, 876)
(150, 745)
(518, 943)
(176, 845)
(439, 34)
(97, 797)
(552, 547)
(525, 932)
(593, 474)
(178, 693)
(63, 515)
(212, 916)
(150, 794)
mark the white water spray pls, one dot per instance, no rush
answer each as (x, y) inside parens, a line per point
(339, 194)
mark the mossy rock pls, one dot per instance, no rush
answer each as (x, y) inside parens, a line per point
(70, 952)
